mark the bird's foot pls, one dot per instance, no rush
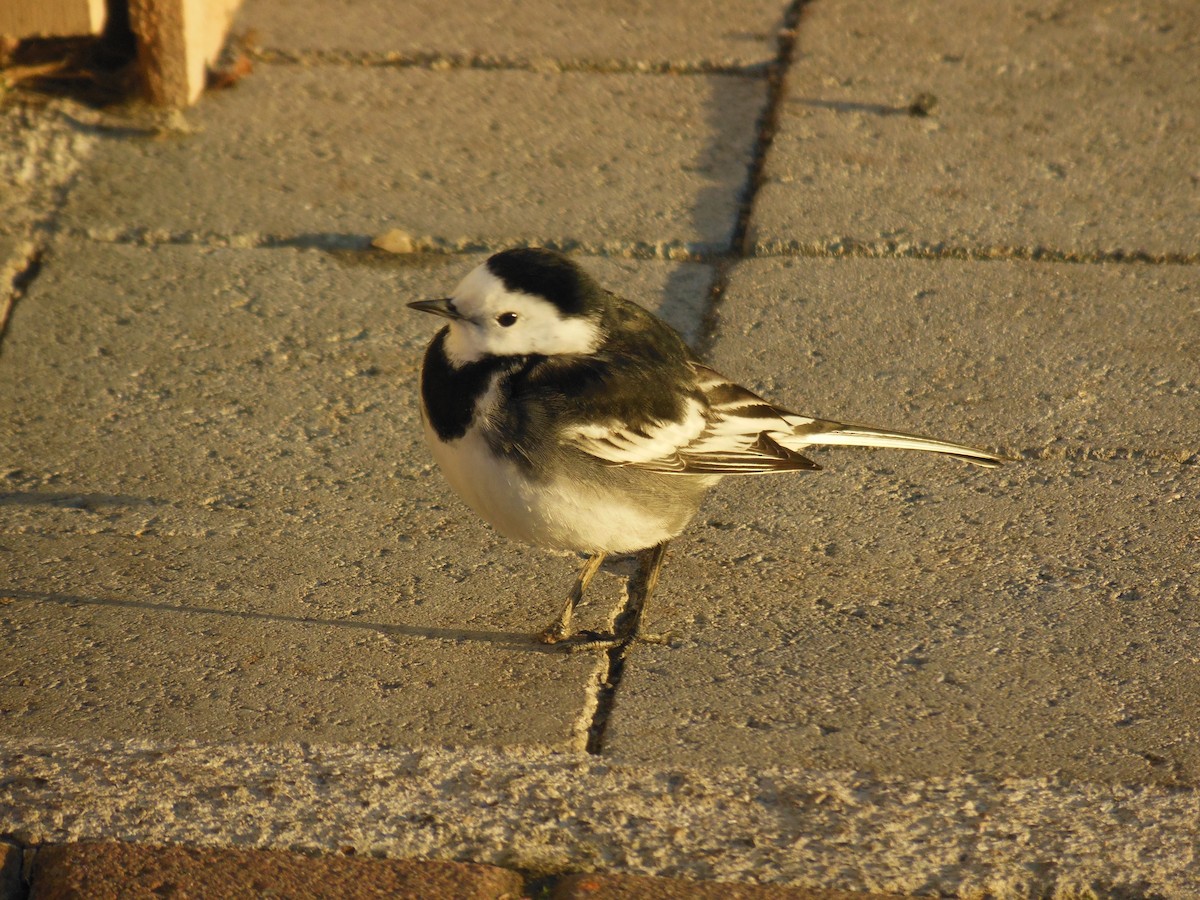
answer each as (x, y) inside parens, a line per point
(554, 633)
(599, 640)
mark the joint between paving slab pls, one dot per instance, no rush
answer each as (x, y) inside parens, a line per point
(887, 249)
(451, 61)
(676, 251)
(603, 699)
(24, 272)
(767, 126)
(1184, 457)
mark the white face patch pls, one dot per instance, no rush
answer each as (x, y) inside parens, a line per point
(499, 322)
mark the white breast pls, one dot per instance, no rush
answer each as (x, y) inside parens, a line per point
(557, 513)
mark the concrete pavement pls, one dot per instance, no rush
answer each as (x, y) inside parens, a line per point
(240, 607)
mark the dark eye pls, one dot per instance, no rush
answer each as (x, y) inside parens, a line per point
(506, 319)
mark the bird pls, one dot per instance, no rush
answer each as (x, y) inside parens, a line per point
(570, 418)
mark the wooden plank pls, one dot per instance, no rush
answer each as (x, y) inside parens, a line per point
(21, 19)
(177, 41)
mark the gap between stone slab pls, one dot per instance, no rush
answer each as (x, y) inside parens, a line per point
(887, 249)
(1184, 457)
(548, 64)
(603, 699)
(767, 125)
(593, 720)
(672, 250)
(23, 273)
(415, 245)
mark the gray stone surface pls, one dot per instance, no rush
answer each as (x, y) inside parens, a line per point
(462, 156)
(545, 812)
(1069, 128)
(909, 615)
(633, 33)
(1029, 359)
(219, 520)
(891, 618)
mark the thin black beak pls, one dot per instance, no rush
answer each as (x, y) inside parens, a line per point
(437, 307)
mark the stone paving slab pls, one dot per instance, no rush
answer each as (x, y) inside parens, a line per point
(219, 520)
(335, 154)
(891, 618)
(905, 614)
(547, 32)
(1027, 358)
(113, 870)
(1070, 129)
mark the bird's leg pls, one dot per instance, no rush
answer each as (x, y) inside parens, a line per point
(560, 628)
(641, 587)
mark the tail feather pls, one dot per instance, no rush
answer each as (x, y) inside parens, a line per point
(861, 436)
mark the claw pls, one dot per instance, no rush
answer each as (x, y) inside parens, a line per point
(595, 640)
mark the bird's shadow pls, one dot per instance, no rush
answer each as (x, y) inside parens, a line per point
(76, 499)
(874, 109)
(515, 641)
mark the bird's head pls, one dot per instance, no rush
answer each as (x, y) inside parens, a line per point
(518, 303)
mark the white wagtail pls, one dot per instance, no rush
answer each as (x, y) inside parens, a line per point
(572, 419)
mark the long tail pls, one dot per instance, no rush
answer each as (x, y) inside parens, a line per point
(862, 436)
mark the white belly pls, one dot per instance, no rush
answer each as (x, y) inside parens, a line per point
(555, 513)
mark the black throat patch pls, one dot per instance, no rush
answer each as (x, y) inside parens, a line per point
(450, 395)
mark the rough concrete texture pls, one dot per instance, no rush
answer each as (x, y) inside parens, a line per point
(632, 887)
(542, 812)
(16, 251)
(101, 871)
(220, 521)
(42, 146)
(466, 156)
(631, 34)
(114, 870)
(1067, 128)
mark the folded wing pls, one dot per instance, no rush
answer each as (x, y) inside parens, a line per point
(733, 431)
